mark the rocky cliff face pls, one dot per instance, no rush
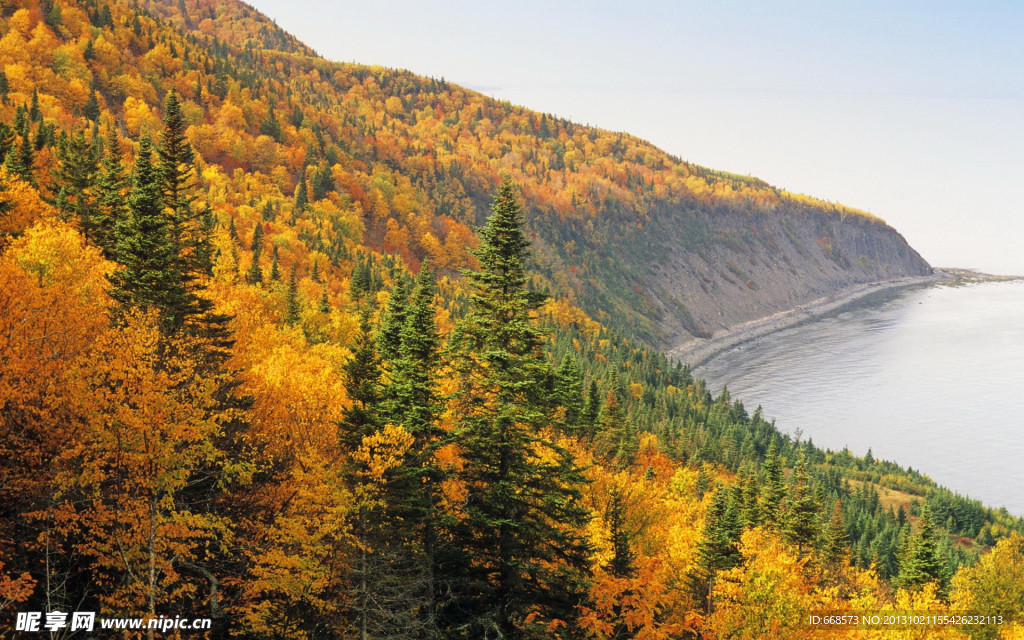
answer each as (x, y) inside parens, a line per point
(752, 266)
(695, 271)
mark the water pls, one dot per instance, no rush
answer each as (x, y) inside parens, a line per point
(930, 378)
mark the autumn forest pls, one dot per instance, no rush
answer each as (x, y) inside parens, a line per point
(322, 350)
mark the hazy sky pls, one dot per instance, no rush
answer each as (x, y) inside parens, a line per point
(911, 110)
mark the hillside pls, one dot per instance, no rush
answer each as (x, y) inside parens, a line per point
(272, 352)
(651, 245)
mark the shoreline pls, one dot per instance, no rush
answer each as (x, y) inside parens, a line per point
(699, 351)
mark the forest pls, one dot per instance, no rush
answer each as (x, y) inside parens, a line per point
(284, 343)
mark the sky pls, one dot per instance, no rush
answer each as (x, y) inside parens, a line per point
(911, 110)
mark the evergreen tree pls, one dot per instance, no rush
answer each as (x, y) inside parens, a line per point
(292, 307)
(716, 550)
(835, 544)
(920, 560)
(143, 245)
(20, 160)
(622, 564)
(323, 182)
(569, 392)
(110, 195)
(592, 408)
(255, 275)
(360, 283)
(269, 213)
(5, 87)
(773, 487)
(34, 114)
(800, 521)
(523, 516)
(7, 136)
(325, 303)
(361, 419)
(44, 136)
(301, 199)
(393, 321)
(414, 402)
(75, 180)
(270, 126)
(176, 172)
(750, 507)
(275, 272)
(91, 110)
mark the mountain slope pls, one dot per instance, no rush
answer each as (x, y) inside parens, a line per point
(656, 247)
(262, 461)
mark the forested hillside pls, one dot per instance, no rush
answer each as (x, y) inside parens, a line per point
(328, 351)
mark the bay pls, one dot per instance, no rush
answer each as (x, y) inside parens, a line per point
(930, 378)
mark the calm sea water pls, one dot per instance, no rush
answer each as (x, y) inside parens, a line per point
(930, 378)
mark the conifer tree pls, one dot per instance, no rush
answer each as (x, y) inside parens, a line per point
(255, 275)
(716, 550)
(394, 318)
(361, 419)
(414, 402)
(361, 280)
(144, 247)
(20, 160)
(75, 180)
(592, 408)
(800, 521)
(773, 488)
(270, 126)
(301, 197)
(292, 307)
(110, 194)
(34, 114)
(7, 136)
(323, 182)
(275, 271)
(523, 516)
(569, 392)
(176, 171)
(750, 507)
(835, 544)
(920, 559)
(91, 110)
(623, 561)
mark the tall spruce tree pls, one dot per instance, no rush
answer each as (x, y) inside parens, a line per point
(255, 275)
(773, 486)
(177, 185)
(292, 305)
(414, 402)
(800, 521)
(521, 536)
(75, 181)
(569, 392)
(20, 160)
(110, 194)
(622, 564)
(149, 278)
(835, 542)
(920, 559)
(716, 550)
(389, 337)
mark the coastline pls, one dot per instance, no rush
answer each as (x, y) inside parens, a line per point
(697, 352)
